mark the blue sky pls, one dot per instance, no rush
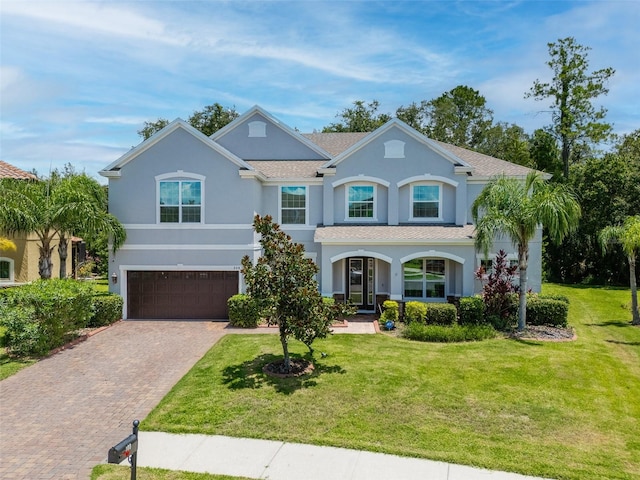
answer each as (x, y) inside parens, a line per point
(79, 78)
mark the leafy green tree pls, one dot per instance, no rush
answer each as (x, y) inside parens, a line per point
(515, 209)
(459, 117)
(208, 120)
(415, 115)
(575, 120)
(544, 153)
(283, 285)
(361, 117)
(53, 207)
(628, 236)
(508, 142)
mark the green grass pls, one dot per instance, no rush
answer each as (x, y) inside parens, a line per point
(562, 410)
(119, 472)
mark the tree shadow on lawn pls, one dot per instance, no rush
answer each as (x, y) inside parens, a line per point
(250, 374)
(611, 323)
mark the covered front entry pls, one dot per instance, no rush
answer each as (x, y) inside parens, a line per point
(361, 282)
(179, 294)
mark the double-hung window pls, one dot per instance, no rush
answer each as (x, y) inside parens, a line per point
(425, 202)
(180, 201)
(293, 205)
(361, 202)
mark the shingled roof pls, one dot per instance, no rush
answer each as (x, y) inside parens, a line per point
(484, 166)
(9, 171)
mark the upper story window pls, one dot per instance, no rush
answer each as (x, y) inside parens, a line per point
(426, 200)
(293, 205)
(180, 201)
(361, 202)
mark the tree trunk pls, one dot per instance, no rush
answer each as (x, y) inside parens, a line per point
(634, 290)
(285, 350)
(45, 265)
(523, 254)
(63, 247)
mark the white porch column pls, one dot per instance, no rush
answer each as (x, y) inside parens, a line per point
(397, 283)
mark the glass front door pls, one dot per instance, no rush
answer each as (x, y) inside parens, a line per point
(361, 282)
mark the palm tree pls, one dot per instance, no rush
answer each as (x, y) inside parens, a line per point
(628, 236)
(55, 207)
(516, 209)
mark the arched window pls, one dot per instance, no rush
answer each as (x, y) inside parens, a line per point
(424, 278)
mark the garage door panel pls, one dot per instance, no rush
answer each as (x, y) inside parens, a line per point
(180, 294)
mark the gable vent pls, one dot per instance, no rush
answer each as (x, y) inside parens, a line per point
(257, 129)
(394, 149)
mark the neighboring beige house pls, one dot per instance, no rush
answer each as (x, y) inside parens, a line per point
(21, 266)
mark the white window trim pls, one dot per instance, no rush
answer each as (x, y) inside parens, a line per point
(179, 176)
(439, 218)
(306, 206)
(492, 256)
(11, 278)
(374, 218)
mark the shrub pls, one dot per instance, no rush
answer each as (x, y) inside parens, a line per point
(499, 287)
(441, 314)
(107, 310)
(243, 311)
(546, 311)
(471, 311)
(454, 333)
(390, 311)
(547, 296)
(23, 334)
(415, 312)
(58, 306)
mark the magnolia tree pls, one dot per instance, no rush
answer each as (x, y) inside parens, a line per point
(283, 286)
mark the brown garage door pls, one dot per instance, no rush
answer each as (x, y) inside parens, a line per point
(179, 295)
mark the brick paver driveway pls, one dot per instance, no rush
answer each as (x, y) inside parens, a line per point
(59, 417)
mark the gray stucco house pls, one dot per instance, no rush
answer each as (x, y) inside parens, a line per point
(385, 214)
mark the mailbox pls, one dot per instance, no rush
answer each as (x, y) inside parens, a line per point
(124, 449)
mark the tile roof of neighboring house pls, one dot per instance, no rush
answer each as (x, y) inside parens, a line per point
(9, 171)
(287, 168)
(393, 233)
(484, 165)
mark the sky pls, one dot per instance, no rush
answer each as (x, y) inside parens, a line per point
(79, 78)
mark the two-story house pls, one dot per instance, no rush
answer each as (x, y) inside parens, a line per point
(385, 214)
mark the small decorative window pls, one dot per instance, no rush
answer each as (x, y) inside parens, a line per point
(361, 202)
(394, 149)
(425, 202)
(180, 201)
(257, 129)
(293, 205)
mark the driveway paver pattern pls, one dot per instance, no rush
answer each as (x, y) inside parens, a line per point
(59, 417)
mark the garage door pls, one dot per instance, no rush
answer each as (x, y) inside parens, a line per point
(179, 295)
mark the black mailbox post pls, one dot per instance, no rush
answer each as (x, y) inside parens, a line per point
(127, 448)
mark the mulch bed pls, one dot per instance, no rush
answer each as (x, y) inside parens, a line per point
(299, 367)
(545, 333)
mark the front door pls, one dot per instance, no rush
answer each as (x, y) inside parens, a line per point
(361, 282)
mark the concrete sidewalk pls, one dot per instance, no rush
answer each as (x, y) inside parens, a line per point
(273, 460)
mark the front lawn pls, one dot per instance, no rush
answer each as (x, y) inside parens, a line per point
(562, 410)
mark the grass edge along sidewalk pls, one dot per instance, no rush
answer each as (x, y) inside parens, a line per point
(560, 410)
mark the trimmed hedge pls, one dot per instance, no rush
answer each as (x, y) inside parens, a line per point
(441, 314)
(471, 311)
(107, 310)
(243, 311)
(447, 334)
(415, 312)
(44, 313)
(547, 311)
